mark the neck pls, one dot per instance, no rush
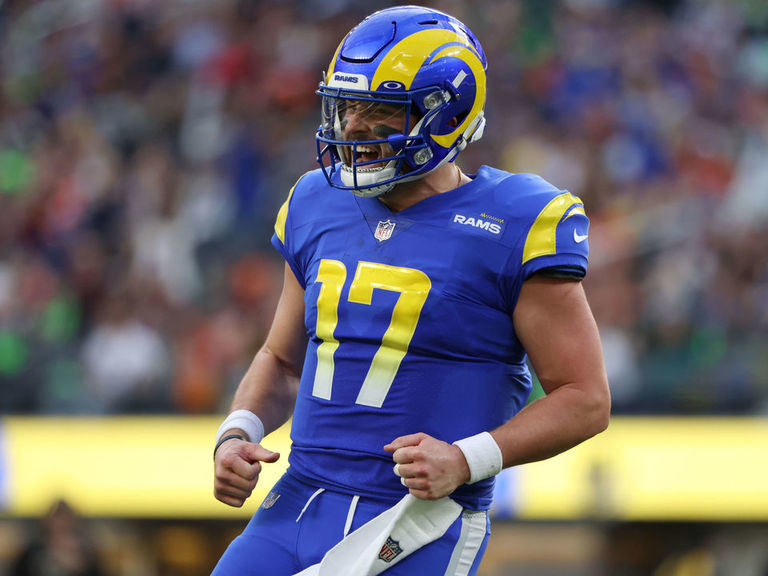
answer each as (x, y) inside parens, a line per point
(404, 195)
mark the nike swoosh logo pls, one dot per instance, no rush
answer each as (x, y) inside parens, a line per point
(579, 237)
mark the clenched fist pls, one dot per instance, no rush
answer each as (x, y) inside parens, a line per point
(237, 466)
(429, 468)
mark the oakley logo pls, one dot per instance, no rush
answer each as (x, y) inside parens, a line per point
(393, 85)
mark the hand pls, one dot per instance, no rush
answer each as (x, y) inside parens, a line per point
(430, 468)
(236, 470)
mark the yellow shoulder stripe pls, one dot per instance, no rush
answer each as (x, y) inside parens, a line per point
(542, 237)
(282, 215)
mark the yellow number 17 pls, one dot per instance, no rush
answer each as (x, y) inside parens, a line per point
(413, 286)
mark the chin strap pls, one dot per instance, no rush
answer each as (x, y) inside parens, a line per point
(476, 128)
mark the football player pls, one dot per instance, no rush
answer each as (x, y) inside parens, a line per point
(414, 295)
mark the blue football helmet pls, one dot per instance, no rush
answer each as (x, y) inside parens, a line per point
(420, 75)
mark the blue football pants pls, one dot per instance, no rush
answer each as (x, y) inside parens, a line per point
(297, 524)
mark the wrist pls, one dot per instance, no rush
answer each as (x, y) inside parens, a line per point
(483, 456)
(243, 421)
(225, 438)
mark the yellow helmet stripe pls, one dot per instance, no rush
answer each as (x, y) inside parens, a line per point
(329, 73)
(405, 59)
(542, 237)
(471, 60)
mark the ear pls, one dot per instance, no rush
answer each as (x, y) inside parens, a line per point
(453, 122)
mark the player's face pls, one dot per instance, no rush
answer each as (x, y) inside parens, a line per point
(363, 120)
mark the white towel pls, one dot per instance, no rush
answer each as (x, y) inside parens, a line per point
(388, 538)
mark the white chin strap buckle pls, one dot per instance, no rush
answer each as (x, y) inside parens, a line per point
(477, 128)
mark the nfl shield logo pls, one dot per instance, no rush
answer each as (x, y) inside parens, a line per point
(270, 500)
(390, 550)
(384, 230)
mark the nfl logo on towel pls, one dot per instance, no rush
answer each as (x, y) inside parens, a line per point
(391, 547)
(384, 230)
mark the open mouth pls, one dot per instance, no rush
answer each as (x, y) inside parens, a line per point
(368, 154)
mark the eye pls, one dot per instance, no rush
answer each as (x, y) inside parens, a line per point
(352, 107)
(387, 110)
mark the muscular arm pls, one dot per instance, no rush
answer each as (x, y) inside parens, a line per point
(268, 389)
(555, 325)
(269, 386)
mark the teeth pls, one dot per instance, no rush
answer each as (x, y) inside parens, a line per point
(346, 168)
(366, 149)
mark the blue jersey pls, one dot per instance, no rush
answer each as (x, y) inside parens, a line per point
(409, 317)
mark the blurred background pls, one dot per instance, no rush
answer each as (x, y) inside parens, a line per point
(145, 147)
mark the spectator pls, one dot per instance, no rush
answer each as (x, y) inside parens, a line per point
(153, 141)
(61, 547)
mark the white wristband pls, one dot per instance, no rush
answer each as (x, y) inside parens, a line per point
(483, 456)
(247, 421)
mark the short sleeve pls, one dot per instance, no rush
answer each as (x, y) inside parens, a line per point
(557, 239)
(283, 239)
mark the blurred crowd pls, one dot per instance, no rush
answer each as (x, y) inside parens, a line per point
(63, 543)
(146, 146)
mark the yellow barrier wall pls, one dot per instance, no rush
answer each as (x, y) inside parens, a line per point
(144, 467)
(640, 469)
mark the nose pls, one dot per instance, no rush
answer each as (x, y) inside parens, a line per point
(353, 123)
